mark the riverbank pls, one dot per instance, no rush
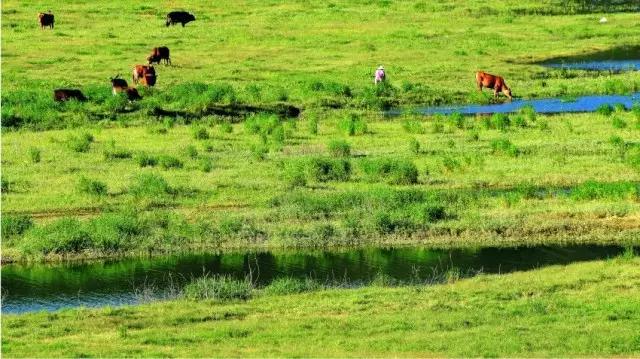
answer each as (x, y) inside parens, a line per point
(545, 312)
(336, 179)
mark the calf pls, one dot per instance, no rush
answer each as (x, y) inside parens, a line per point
(62, 95)
(496, 83)
(181, 17)
(158, 54)
(132, 94)
(146, 75)
(46, 19)
(118, 85)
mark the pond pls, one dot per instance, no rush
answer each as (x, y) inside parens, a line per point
(548, 105)
(601, 65)
(114, 282)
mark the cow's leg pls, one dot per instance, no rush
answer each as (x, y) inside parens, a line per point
(495, 92)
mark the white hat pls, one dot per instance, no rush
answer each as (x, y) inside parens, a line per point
(380, 67)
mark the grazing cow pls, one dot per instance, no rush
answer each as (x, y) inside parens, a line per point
(181, 17)
(118, 85)
(146, 75)
(496, 83)
(46, 19)
(158, 54)
(62, 95)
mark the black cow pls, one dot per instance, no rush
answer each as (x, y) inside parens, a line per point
(61, 95)
(181, 17)
(46, 19)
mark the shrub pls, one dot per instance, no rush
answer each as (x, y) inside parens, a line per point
(520, 121)
(618, 122)
(294, 175)
(259, 151)
(605, 110)
(148, 185)
(167, 162)
(113, 153)
(450, 164)
(66, 235)
(500, 121)
(114, 231)
(413, 126)
(619, 107)
(456, 119)
(219, 288)
(414, 146)
(200, 133)
(393, 171)
(80, 143)
(430, 213)
(34, 154)
(91, 187)
(504, 146)
(352, 125)
(146, 160)
(591, 190)
(14, 225)
(288, 285)
(339, 148)
(528, 113)
(191, 151)
(205, 165)
(327, 169)
(313, 125)
(226, 127)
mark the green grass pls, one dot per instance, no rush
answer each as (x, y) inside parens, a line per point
(584, 309)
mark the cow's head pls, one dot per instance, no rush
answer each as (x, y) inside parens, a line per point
(190, 17)
(507, 92)
(152, 58)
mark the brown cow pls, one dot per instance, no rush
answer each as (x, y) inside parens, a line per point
(118, 85)
(158, 54)
(46, 19)
(146, 75)
(62, 95)
(496, 83)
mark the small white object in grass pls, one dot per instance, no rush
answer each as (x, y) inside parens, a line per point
(603, 20)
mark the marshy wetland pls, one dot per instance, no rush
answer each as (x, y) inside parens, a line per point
(266, 142)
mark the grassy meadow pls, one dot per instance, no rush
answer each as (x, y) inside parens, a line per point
(169, 173)
(587, 310)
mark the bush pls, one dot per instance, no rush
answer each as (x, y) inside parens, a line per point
(167, 162)
(219, 288)
(200, 133)
(591, 190)
(294, 175)
(91, 187)
(226, 127)
(114, 231)
(80, 143)
(259, 151)
(430, 213)
(66, 235)
(605, 110)
(352, 125)
(15, 225)
(148, 185)
(520, 121)
(413, 126)
(146, 160)
(504, 146)
(456, 119)
(393, 171)
(617, 122)
(288, 285)
(113, 153)
(205, 165)
(528, 113)
(327, 169)
(414, 146)
(339, 148)
(191, 151)
(500, 121)
(313, 125)
(34, 154)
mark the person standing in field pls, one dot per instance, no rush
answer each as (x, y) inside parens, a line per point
(379, 75)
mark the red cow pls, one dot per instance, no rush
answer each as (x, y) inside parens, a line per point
(496, 83)
(146, 75)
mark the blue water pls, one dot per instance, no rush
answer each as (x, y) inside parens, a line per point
(602, 65)
(548, 105)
